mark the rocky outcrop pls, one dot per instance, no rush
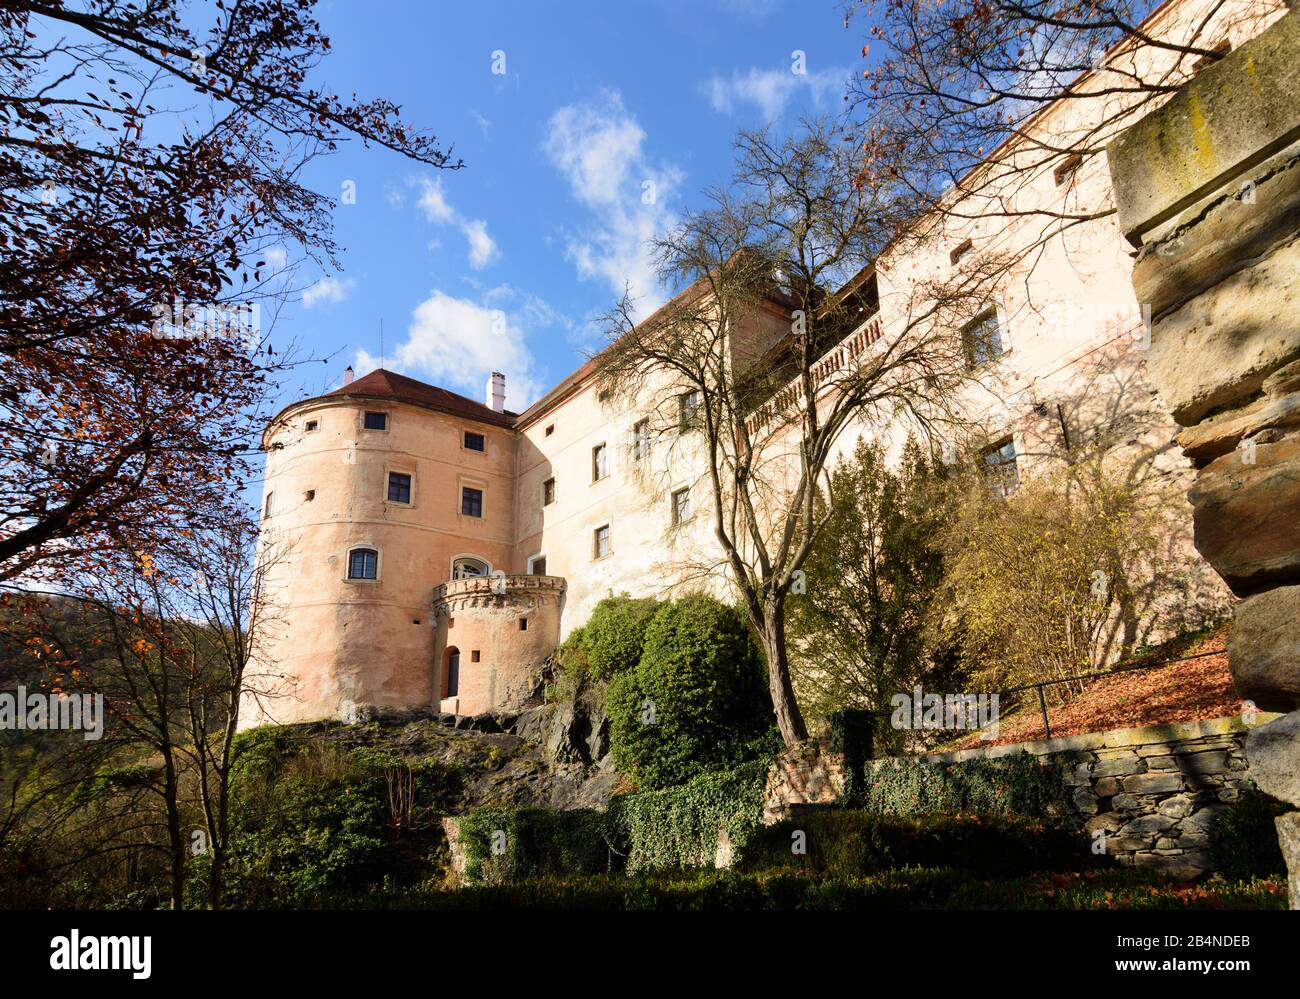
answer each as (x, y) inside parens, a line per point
(1208, 187)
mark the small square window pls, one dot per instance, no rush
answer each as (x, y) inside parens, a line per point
(550, 430)
(270, 504)
(600, 542)
(983, 338)
(473, 441)
(312, 425)
(548, 492)
(599, 462)
(681, 505)
(1000, 467)
(641, 440)
(471, 502)
(474, 655)
(523, 624)
(960, 251)
(688, 409)
(376, 421)
(1067, 169)
(399, 488)
(537, 566)
(363, 563)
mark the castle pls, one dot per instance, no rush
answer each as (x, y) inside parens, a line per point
(437, 548)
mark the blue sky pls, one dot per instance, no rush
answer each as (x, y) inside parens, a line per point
(610, 117)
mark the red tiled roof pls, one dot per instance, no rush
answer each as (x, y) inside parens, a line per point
(381, 384)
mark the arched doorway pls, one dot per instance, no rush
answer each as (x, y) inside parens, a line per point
(451, 672)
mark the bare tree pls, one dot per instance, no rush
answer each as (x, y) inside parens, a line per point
(777, 346)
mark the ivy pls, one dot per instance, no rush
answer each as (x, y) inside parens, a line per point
(1009, 785)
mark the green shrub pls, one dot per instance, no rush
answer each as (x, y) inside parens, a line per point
(532, 842)
(1008, 785)
(697, 700)
(309, 816)
(613, 638)
(1243, 837)
(854, 843)
(677, 828)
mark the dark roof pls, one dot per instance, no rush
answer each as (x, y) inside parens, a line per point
(381, 384)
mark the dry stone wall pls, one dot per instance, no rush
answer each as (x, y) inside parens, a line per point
(1147, 795)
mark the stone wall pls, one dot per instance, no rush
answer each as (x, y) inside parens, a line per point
(1208, 189)
(1151, 791)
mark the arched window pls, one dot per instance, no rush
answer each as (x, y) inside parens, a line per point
(452, 670)
(467, 567)
(363, 563)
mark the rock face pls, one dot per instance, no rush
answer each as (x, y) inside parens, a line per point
(1208, 187)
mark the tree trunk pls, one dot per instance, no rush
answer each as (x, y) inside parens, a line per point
(788, 717)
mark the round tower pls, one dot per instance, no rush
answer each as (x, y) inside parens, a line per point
(375, 495)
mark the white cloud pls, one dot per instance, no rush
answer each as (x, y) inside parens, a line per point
(599, 148)
(275, 256)
(327, 289)
(438, 210)
(482, 249)
(456, 342)
(770, 90)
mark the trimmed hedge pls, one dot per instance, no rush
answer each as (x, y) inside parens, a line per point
(503, 846)
(857, 843)
(1008, 785)
(936, 888)
(677, 827)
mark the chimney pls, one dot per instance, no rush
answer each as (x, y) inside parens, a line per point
(496, 392)
(348, 375)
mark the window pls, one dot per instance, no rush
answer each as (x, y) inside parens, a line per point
(537, 565)
(1067, 169)
(688, 409)
(468, 568)
(523, 624)
(548, 492)
(312, 425)
(474, 655)
(599, 462)
(270, 504)
(550, 430)
(1000, 467)
(363, 563)
(983, 337)
(960, 251)
(471, 502)
(600, 542)
(473, 441)
(399, 488)
(1220, 50)
(376, 421)
(641, 440)
(681, 505)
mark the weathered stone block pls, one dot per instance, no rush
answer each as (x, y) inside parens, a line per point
(1221, 119)
(1206, 762)
(1153, 783)
(1216, 350)
(1274, 754)
(1129, 763)
(1148, 824)
(1246, 516)
(1288, 837)
(1105, 787)
(1109, 821)
(1221, 433)
(1177, 806)
(1264, 648)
